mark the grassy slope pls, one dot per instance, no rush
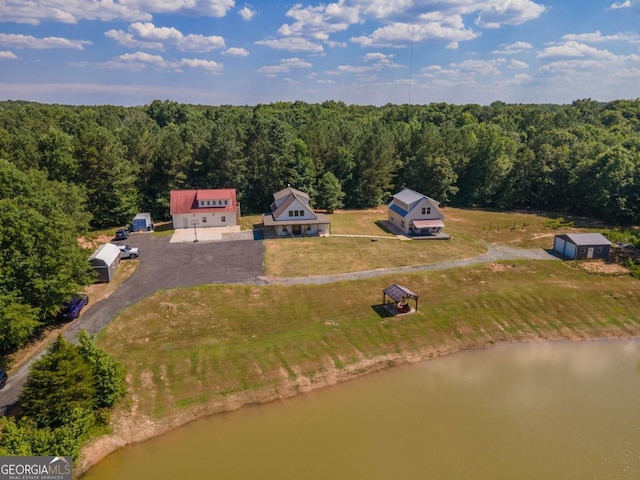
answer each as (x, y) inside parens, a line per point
(191, 347)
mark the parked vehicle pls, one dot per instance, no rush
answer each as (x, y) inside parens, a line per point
(122, 234)
(128, 252)
(71, 308)
(3, 378)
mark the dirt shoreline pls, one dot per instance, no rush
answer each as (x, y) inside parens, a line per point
(135, 428)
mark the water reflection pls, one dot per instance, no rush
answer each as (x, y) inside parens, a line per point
(556, 410)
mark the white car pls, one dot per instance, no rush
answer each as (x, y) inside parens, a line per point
(128, 252)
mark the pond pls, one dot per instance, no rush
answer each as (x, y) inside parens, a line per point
(552, 410)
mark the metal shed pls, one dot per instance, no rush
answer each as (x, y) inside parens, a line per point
(580, 246)
(105, 261)
(400, 295)
(142, 222)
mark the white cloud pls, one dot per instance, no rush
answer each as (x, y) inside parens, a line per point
(148, 31)
(143, 57)
(513, 48)
(236, 52)
(200, 43)
(247, 13)
(518, 64)
(575, 49)
(207, 65)
(597, 37)
(147, 35)
(495, 13)
(27, 41)
(141, 60)
(7, 55)
(295, 44)
(617, 5)
(73, 11)
(426, 19)
(396, 33)
(285, 65)
(318, 22)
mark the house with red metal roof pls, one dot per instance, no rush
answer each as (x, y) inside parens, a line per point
(204, 208)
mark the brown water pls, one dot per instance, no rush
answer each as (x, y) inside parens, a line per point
(556, 410)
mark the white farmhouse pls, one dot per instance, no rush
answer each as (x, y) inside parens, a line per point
(416, 214)
(292, 215)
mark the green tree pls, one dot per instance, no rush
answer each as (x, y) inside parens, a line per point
(58, 383)
(109, 374)
(329, 194)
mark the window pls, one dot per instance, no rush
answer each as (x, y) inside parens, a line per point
(204, 219)
(428, 210)
(583, 249)
(291, 213)
(308, 228)
(224, 219)
(208, 202)
(296, 212)
(424, 210)
(598, 249)
(302, 213)
(402, 223)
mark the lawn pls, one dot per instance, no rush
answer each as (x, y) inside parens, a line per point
(190, 347)
(470, 231)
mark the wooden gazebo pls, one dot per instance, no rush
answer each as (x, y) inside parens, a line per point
(400, 296)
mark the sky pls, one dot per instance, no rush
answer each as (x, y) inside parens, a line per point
(367, 52)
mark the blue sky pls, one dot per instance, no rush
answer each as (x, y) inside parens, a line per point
(130, 52)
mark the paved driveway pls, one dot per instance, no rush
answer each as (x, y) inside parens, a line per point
(163, 265)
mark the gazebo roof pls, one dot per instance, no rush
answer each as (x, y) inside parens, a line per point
(398, 292)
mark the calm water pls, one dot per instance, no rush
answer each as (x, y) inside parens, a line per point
(557, 410)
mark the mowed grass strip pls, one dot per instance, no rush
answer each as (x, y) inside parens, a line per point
(301, 257)
(190, 347)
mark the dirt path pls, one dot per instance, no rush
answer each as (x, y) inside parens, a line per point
(494, 253)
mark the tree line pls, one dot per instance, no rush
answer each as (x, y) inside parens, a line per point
(581, 158)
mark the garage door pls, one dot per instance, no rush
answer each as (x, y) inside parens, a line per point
(570, 250)
(558, 245)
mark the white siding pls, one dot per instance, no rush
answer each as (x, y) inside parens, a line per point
(185, 220)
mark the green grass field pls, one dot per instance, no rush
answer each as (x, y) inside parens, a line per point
(194, 346)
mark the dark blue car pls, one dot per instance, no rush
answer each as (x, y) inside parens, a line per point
(71, 308)
(3, 378)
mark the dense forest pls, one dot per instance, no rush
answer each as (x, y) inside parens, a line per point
(67, 169)
(582, 158)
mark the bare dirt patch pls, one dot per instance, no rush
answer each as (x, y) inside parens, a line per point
(94, 242)
(604, 268)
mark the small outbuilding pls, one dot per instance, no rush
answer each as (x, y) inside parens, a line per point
(400, 296)
(580, 246)
(142, 222)
(105, 261)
